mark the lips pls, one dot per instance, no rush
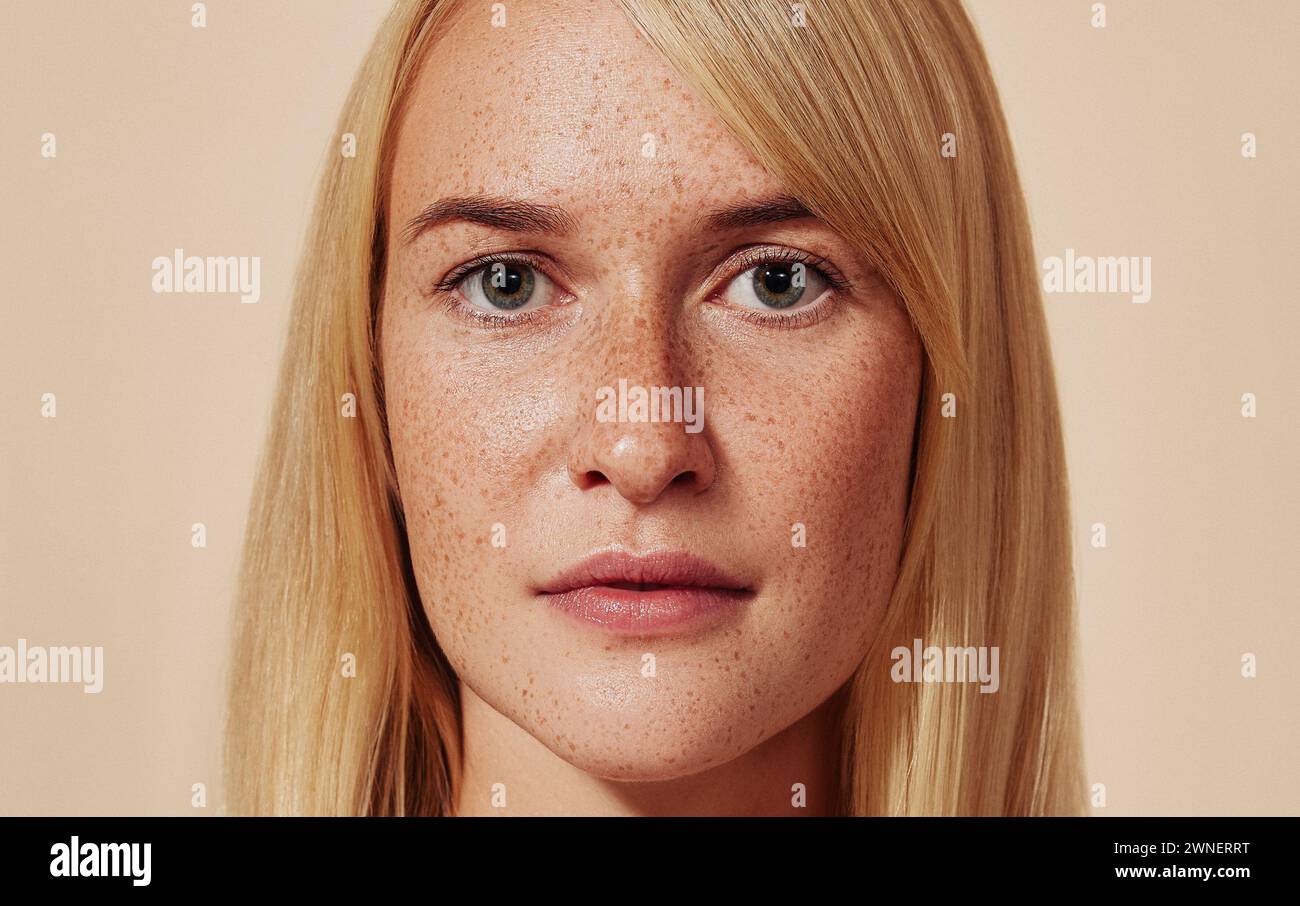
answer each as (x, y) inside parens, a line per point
(656, 592)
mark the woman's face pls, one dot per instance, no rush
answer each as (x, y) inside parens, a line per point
(744, 552)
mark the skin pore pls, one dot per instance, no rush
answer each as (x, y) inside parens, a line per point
(530, 142)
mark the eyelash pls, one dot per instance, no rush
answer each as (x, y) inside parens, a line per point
(756, 256)
(747, 259)
(448, 284)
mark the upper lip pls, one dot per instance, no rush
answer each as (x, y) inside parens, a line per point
(654, 569)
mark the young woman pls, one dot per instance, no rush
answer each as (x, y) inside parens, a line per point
(665, 377)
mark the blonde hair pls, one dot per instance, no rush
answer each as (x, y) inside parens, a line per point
(850, 112)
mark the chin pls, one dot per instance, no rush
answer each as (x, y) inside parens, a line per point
(639, 732)
(674, 758)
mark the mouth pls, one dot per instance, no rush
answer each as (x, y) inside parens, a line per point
(646, 594)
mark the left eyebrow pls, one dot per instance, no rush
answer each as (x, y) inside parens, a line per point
(773, 209)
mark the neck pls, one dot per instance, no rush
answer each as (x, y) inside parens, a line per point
(538, 782)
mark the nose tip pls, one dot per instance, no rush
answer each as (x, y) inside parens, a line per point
(642, 461)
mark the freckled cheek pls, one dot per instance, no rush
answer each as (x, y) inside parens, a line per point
(472, 420)
(839, 464)
(510, 426)
(449, 520)
(470, 441)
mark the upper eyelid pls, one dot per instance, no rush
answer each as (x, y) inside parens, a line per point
(458, 273)
(757, 254)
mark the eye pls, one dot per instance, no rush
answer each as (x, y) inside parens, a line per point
(507, 286)
(776, 285)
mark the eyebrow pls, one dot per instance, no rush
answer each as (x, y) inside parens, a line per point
(492, 211)
(773, 209)
(530, 217)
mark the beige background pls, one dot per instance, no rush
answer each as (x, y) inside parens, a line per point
(210, 140)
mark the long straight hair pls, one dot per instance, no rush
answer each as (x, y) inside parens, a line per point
(881, 116)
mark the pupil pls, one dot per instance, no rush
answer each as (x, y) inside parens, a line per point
(777, 279)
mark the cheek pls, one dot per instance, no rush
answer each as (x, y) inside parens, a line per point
(850, 445)
(471, 425)
(460, 436)
(823, 466)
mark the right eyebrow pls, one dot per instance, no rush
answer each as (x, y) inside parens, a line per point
(493, 211)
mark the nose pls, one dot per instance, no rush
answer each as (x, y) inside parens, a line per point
(642, 459)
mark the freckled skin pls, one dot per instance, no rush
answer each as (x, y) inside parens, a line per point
(489, 424)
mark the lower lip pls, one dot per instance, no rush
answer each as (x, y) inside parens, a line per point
(676, 608)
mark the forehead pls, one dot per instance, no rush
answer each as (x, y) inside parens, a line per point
(566, 102)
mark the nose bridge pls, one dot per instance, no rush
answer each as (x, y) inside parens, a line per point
(633, 336)
(640, 344)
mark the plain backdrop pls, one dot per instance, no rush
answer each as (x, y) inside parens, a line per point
(1128, 140)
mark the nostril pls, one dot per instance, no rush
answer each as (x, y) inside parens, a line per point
(591, 479)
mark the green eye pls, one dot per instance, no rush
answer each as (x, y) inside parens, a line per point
(779, 284)
(507, 286)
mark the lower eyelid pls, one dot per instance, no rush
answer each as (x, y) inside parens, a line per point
(468, 311)
(819, 309)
